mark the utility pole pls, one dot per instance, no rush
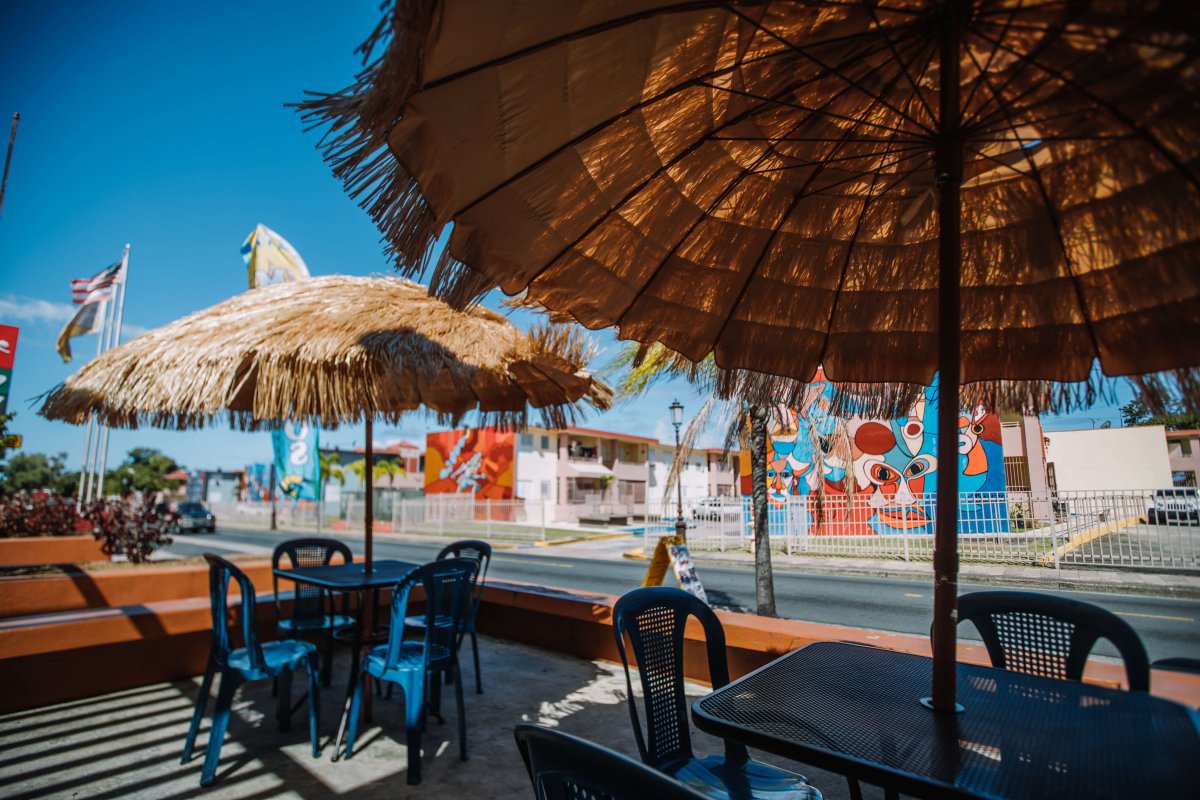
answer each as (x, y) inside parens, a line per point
(12, 137)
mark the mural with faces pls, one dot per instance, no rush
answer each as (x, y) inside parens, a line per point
(892, 465)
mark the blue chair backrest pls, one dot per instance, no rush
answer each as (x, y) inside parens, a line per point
(654, 620)
(220, 573)
(478, 551)
(308, 601)
(447, 585)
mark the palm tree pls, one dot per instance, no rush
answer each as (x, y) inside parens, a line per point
(646, 365)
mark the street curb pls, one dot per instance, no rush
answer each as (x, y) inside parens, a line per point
(577, 539)
(1177, 591)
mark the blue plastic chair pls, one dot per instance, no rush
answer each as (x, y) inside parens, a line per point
(654, 620)
(417, 666)
(564, 767)
(312, 607)
(480, 552)
(256, 661)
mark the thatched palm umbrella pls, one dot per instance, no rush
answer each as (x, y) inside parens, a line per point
(332, 350)
(1001, 192)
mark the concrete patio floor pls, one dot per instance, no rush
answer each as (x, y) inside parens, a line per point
(127, 744)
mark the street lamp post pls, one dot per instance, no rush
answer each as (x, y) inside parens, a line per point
(677, 420)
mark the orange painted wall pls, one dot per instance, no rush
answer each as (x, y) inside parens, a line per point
(34, 550)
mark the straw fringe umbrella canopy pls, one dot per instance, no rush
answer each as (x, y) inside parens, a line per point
(1001, 192)
(332, 350)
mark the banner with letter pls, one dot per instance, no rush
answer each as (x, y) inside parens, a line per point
(297, 465)
(271, 259)
(8, 354)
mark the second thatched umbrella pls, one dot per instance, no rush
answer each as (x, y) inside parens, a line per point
(332, 350)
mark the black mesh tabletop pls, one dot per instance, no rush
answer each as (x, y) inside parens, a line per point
(350, 577)
(855, 710)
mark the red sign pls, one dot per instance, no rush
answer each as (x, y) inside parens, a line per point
(8, 345)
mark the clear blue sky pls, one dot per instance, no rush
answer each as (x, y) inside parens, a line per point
(162, 124)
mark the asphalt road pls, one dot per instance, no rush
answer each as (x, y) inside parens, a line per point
(1167, 626)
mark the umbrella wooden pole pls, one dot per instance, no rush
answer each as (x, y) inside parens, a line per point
(949, 159)
(369, 497)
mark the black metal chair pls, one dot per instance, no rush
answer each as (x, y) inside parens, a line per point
(312, 607)
(564, 767)
(654, 620)
(481, 553)
(1051, 636)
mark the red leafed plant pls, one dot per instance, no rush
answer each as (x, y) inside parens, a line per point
(38, 514)
(135, 529)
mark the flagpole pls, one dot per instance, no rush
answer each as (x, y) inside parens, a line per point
(12, 137)
(114, 339)
(93, 446)
(83, 469)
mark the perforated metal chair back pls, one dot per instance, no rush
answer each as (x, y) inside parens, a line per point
(1042, 634)
(308, 601)
(447, 585)
(478, 551)
(564, 767)
(220, 574)
(654, 619)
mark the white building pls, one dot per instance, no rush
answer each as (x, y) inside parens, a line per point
(1109, 459)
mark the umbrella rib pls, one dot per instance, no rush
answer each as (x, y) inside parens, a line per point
(804, 163)
(1086, 34)
(1055, 224)
(661, 169)
(803, 50)
(582, 33)
(753, 273)
(966, 104)
(662, 262)
(978, 122)
(1116, 113)
(903, 66)
(698, 81)
(801, 107)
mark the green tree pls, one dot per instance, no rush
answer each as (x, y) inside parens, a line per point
(331, 468)
(35, 472)
(1177, 416)
(143, 470)
(645, 366)
(4, 420)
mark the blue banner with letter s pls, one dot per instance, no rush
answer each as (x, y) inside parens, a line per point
(297, 463)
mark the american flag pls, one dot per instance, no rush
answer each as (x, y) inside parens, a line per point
(98, 288)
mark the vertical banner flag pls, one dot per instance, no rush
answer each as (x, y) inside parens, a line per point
(297, 464)
(8, 354)
(90, 294)
(270, 259)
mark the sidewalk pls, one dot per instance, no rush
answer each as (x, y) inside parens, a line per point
(1113, 580)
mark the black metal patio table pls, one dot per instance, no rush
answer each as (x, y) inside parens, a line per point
(855, 710)
(352, 577)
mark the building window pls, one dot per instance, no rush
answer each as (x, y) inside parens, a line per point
(1016, 473)
(631, 491)
(1184, 477)
(545, 442)
(526, 441)
(524, 488)
(1185, 447)
(545, 488)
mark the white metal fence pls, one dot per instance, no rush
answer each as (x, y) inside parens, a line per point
(1065, 529)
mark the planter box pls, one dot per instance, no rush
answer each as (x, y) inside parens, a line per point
(37, 550)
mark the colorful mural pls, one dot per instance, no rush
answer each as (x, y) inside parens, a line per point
(878, 475)
(475, 461)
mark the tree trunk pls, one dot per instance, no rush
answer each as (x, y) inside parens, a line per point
(764, 580)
